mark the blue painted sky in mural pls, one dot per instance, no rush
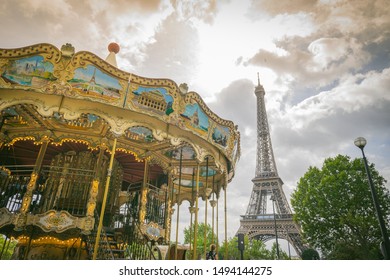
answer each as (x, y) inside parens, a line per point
(161, 90)
(100, 77)
(203, 119)
(144, 133)
(34, 61)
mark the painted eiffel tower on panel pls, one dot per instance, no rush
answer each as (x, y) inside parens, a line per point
(259, 220)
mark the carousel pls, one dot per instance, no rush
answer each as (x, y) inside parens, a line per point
(94, 160)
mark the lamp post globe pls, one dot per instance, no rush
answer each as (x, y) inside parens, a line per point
(360, 142)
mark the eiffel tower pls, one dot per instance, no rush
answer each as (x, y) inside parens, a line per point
(260, 219)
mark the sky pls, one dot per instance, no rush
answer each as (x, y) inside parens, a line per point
(324, 64)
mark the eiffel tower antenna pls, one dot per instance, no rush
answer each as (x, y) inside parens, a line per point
(259, 221)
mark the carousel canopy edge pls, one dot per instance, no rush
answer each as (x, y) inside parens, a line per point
(44, 68)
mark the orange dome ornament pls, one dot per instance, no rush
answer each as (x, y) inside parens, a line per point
(113, 47)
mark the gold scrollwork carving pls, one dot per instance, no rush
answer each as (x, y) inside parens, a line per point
(152, 231)
(5, 217)
(144, 198)
(55, 221)
(59, 88)
(28, 195)
(92, 198)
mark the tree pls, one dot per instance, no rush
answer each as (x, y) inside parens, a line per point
(335, 209)
(310, 254)
(6, 248)
(254, 250)
(200, 246)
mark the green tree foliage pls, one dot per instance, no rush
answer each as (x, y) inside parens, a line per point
(254, 250)
(335, 209)
(310, 254)
(6, 248)
(200, 247)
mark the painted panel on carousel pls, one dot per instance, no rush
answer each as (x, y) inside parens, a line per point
(187, 183)
(13, 118)
(196, 119)
(156, 99)
(207, 172)
(221, 135)
(91, 81)
(187, 153)
(187, 170)
(204, 171)
(140, 134)
(84, 122)
(30, 71)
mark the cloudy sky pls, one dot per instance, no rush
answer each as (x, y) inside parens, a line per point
(325, 66)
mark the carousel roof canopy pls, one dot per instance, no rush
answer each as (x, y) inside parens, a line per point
(77, 99)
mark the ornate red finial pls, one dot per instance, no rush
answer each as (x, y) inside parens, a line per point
(113, 47)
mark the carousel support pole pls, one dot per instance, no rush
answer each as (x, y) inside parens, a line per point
(27, 198)
(79, 248)
(172, 210)
(191, 214)
(169, 210)
(94, 191)
(205, 227)
(217, 222)
(108, 179)
(206, 193)
(196, 212)
(212, 203)
(166, 208)
(225, 210)
(191, 208)
(178, 203)
(144, 194)
(34, 176)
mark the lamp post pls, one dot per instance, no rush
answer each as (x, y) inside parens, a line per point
(276, 231)
(360, 142)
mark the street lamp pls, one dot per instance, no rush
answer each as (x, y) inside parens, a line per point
(360, 142)
(276, 231)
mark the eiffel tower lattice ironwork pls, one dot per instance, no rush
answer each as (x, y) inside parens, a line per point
(259, 220)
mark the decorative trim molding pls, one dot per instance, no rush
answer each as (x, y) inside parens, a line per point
(6, 217)
(153, 231)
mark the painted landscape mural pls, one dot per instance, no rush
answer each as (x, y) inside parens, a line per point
(196, 119)
(156, 99)
(187, 153)
(92, 81)
(139, 133)
(30, 71)
(221, 135)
